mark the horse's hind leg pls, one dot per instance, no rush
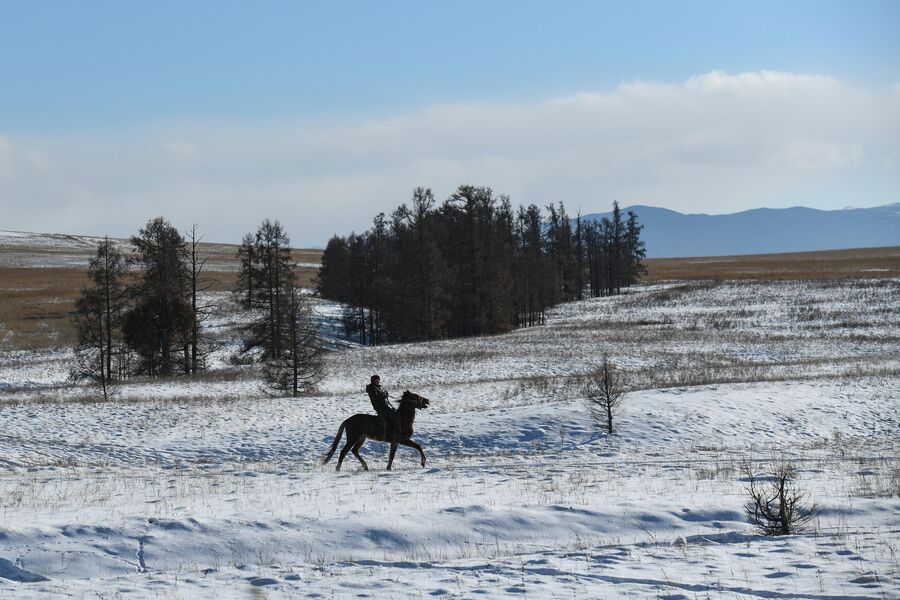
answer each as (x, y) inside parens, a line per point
(412, 444)
(344, 451)
(356, 448)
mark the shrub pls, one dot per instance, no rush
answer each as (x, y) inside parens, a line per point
(779, 508)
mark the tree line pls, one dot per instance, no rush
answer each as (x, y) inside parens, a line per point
(473, 265)
(142, 315)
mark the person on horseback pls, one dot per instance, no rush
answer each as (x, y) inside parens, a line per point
(383, 407)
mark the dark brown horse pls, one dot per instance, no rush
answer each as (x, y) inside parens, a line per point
(372, 427)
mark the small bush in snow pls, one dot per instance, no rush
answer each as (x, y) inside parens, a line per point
(779, 508)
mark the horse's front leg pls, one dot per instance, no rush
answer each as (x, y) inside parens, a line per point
(412, 444)
(391, 456)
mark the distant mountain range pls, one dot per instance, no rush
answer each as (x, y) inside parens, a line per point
(668, 233)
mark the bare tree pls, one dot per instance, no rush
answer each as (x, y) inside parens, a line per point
(605, 391)
(778, 508)
(196, 359)
(298, 368)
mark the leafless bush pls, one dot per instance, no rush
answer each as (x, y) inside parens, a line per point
(604, 392)
(779, 508)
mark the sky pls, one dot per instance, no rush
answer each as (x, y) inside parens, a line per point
(322, 115)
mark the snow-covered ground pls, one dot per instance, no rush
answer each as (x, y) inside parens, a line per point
(203, 488)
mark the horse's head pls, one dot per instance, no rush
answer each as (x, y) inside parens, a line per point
(415, 399)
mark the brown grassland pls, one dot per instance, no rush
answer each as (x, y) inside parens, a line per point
(36, 302)
(866, 263)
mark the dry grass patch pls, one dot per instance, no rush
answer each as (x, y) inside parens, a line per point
(35, 306)
(828, 264)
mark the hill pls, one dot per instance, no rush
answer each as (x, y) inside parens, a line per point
(764, 230)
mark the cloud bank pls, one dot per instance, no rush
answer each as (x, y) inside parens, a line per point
(715, 143)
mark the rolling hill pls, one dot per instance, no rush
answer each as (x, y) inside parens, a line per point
(764, 230)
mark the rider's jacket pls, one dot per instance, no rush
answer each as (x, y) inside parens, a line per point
(379, 399)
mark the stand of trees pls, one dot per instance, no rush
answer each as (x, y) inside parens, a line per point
(472, 266)
(140, 316)
(144, 315)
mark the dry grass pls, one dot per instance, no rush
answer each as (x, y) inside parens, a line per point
(828, 264)
(35, 306)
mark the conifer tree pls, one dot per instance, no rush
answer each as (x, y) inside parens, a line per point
(159, 323)
(98, 319)
(271, 270)
(298, 367)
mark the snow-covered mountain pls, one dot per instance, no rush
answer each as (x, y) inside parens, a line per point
(765, 230)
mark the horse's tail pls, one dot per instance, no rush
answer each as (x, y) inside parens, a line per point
(335, 443)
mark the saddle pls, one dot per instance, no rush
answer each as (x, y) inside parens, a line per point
(387, 429)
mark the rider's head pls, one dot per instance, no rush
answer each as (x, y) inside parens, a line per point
(375, 379)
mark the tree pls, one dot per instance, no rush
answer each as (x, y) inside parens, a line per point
(779, 508)
(160, 321)
(199, 284)
(531, 269)
(605, 392)
(273, 277)
(298, 367)
(248, 272)
(615, 238)
(331, 279)
(580, 252)
(635, 251)
(98, 319)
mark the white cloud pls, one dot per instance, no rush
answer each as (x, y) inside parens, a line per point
(714, 143)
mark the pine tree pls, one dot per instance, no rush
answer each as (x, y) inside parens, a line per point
(298, 368)
(248, 272)
(616, 252)
(273, 278)
(635, 251)
(160, 322)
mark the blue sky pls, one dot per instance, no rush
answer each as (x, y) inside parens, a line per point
(83, 83)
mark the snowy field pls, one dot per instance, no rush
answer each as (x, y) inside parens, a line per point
(211, 488)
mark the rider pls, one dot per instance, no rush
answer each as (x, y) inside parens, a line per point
(383, 407)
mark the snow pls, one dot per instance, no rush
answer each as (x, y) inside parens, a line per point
(40, 250)
(209, 487)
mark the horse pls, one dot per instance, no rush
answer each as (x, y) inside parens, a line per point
(361, 427)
